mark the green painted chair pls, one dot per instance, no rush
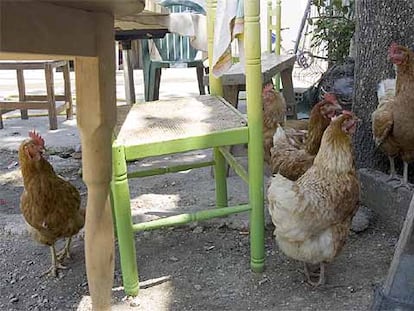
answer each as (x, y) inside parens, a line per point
(191, 123)
(175, 52)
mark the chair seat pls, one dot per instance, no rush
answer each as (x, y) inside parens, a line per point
(158, 127)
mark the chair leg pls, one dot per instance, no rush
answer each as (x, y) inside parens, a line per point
(123, 221)
(146, 64)
(22, 92)
(220, 173)
(68, 92)
(1, 119)
(256, 197)
(154, 82)
(200, 77)
(157, 80)
(50, 90)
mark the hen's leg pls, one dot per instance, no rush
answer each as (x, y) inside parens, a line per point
(321, 279)
(404, 182)
(65, 252)
(52, 271)
(393, 173)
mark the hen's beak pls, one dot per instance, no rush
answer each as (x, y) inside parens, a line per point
(337, 107)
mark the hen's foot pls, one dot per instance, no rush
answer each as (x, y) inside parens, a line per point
(321, 279)
(53, 270)
(64, 253)
(404, 185)
(392, 177)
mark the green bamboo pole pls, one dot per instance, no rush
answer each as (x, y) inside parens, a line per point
(255, 117)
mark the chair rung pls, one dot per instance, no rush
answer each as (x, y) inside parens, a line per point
(235, 165)
(169, 169)
(190, 217)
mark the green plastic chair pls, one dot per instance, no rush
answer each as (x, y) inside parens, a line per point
(191, 123)
(175, 51)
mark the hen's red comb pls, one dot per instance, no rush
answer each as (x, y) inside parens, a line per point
(347, 112)
(393, 48)
(331, 97)
(268, 87)
(37, 138)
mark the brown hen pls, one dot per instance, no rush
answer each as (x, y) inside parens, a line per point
(312, 216)
(274, 113)
(292, 162)
(392, 122)
(49, 204)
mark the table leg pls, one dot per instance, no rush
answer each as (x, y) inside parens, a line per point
(128, 72)
(288, 92)
(96, 116)
(231, 94)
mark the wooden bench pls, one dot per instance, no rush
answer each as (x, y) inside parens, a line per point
(234, 80)
(48, 101)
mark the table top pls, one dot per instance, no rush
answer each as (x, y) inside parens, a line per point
(142, 25)
(117, 7)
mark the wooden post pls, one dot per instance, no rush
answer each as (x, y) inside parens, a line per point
(96, 116)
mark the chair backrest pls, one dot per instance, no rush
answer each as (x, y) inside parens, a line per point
(174, 47)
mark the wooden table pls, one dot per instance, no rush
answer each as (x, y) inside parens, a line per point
(48, 101)
(83, 31)
(234, 80)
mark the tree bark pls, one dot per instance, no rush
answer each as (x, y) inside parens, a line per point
(378, 23)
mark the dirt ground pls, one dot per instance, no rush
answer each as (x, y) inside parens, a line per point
(204, 266)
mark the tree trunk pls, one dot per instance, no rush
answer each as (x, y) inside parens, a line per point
(378, 23)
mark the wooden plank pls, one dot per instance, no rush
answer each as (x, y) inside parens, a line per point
(23, 105)
(271, 65)
(44, 98)
(30, 65)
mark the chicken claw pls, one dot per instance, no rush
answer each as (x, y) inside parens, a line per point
(56, 265)
(404, 183)
(52, 271)
(321, 279)
(65, 252)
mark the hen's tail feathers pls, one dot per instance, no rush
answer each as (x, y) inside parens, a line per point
(279, 135)
(386, 90)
